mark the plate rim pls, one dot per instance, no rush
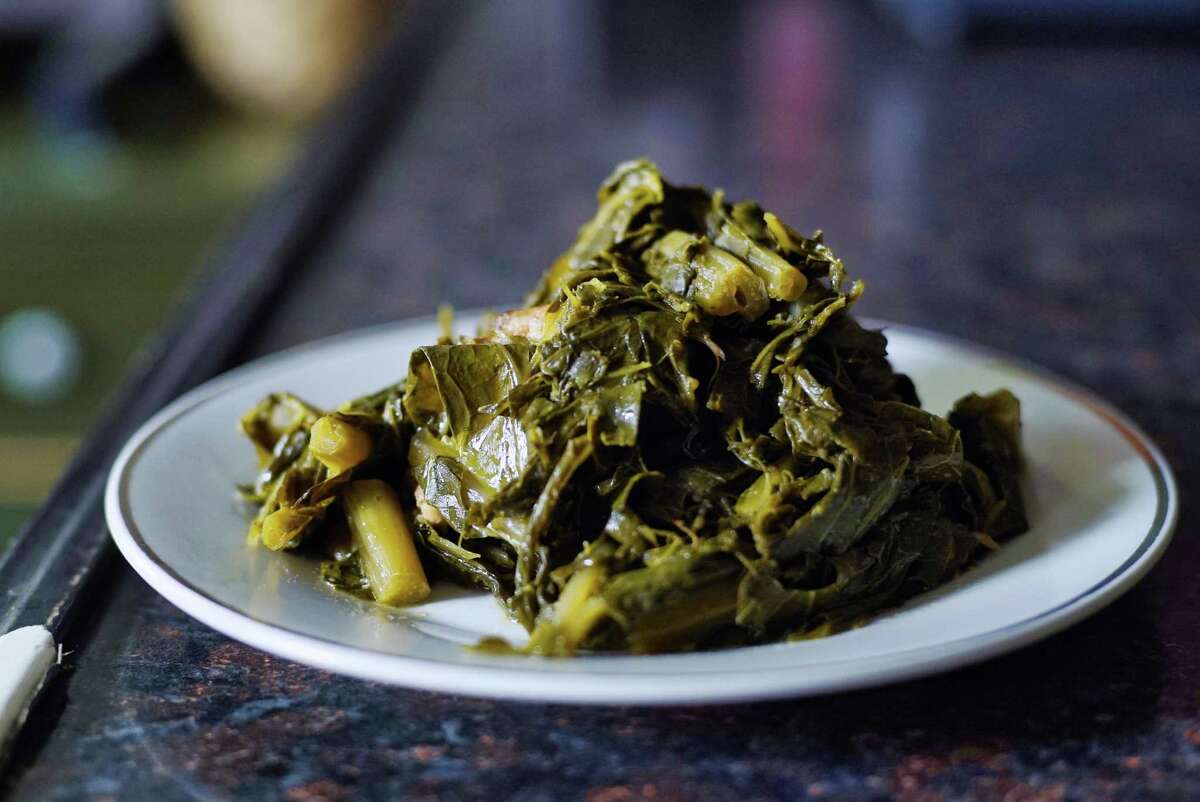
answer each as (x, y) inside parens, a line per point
(718, 686)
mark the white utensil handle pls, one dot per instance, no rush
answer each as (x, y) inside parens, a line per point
(26, 655)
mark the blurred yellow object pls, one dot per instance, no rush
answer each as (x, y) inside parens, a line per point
(31, 463)
(283, 58)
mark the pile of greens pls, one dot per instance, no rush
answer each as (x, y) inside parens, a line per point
(684, 441)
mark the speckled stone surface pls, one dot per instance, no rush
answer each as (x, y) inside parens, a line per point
(1044, 201)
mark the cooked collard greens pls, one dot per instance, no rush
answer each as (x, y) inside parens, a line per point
(683, 441)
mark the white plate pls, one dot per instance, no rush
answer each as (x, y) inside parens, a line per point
(1101, 500)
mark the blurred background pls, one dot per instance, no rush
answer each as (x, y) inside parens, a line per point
(133, 131)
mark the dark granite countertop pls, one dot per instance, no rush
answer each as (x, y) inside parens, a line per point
(1043, 200)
